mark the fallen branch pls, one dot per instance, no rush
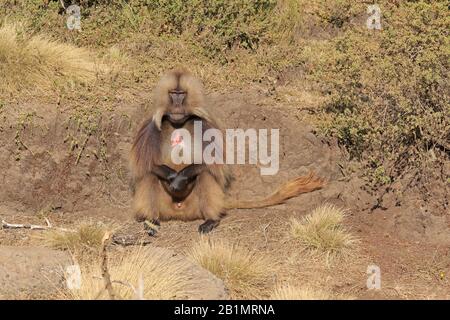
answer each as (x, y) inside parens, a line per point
(129, 240)
(6, 225)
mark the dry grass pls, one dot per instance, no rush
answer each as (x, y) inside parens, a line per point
(38, 63)
(86, 238)
(161, 277)
(243, 272)
(322, 232)
(288, 292)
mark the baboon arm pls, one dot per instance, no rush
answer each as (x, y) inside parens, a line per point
(293, 188)
(163, 172)
(192, 171)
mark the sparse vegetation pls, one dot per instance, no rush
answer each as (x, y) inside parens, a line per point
(24, 120)
(384, 95)
(218, 25)
(162, 277)
(387, 92)
(85, 238)
(323, 232)
(35, 62)
(288, 292)
(243, 271)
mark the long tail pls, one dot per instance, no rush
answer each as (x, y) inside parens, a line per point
(291, 189)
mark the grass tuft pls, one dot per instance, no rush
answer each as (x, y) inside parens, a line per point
(288, 292)
(322, 231)
(155, 271)
(29, 63)
(242, 271)
(86, 237)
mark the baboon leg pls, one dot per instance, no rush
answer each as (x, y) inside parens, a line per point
(145, 205)
(211, 202)
(208, 225)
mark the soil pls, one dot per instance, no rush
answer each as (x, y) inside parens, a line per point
(42, 174)
(31, 272)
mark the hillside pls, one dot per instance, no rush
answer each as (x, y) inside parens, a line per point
(366, 109)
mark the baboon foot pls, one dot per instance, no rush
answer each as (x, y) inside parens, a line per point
(208, 225)
(151, 227)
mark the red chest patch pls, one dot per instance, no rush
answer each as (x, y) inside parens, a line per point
(176, 140)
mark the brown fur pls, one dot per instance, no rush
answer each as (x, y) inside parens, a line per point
(145, 197)
(207, 200)
(145, 151)
(150, 201)
(194, 100)
(289, 190)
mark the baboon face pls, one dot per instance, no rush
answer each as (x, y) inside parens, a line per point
(177, 112)
(178, 94)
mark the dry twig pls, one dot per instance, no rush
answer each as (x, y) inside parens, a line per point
(82, 149)
(6, 225)
(105, 273)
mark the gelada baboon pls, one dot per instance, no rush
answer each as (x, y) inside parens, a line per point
(164, 190)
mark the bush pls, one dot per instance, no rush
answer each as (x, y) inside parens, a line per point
(219, 25)
(388, 90)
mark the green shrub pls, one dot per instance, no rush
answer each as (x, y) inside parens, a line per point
(388, 90)
(218, 24)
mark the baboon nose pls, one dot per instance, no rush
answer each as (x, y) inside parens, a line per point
(177, 97)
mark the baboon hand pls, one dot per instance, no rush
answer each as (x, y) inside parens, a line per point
(208, 226)
(151, 227)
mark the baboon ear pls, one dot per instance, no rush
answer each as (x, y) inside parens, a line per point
(157, 118)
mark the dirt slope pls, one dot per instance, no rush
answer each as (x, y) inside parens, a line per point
(41, 172)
